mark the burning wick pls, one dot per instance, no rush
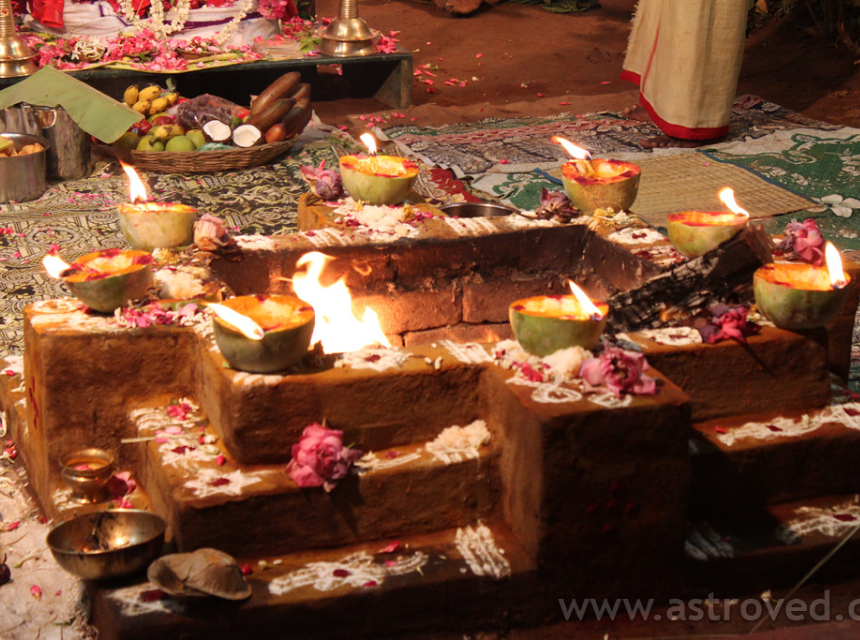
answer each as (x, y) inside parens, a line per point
(580, 155)
(55, 265)
(834, 266)
(727, 197)
(370, 142)
(136, 188)
(585, 302)
(245, 325)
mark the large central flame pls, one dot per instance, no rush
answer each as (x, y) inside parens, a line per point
(834, 266)
(336, 326)
(136, 188)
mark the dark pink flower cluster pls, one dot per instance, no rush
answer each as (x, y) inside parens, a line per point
(320, 459)
(803, 241)
(278, 9)
(619, 371)
(728, 323)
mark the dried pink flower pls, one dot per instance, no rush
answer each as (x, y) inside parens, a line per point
(326, 183)
(619, 371)
(803, 241)
(210, 234)
(320, 459)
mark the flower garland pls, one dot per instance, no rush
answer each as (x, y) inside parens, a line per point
(155, 22)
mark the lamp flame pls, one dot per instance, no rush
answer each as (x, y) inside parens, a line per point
(369, 142)
(834, 266)
(54, 265)
(242, 323)
(136, 188)
(727, 197)
(336, 326)
(577, 152)
(585, 302)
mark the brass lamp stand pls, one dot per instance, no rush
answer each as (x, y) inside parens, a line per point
(16, 59)
(347, 35)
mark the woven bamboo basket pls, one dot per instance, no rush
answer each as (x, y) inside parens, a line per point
(199, 161)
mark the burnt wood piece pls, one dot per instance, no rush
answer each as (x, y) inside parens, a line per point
(722, 273)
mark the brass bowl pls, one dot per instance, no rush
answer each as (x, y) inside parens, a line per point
(108, 544)
(86, 472)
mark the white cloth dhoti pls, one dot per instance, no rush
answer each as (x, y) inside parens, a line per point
(686, 55)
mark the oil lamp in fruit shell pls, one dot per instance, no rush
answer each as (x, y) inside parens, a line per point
(377, 179)
(263, 334)
(598, 183)
(694, 233)
(796, 295)
(544, 324)
(105, 280)
(154, 225)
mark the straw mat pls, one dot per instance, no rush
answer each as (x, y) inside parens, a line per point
(692, 182)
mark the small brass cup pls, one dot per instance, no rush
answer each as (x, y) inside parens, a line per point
(86, 472)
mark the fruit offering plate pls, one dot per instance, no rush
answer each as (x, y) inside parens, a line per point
(199, 161)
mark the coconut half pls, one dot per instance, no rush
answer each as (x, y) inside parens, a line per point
(217, 131)
(246, 135)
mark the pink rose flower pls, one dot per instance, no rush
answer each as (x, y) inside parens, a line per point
(728, 323)
(320, 459)
(619, 371)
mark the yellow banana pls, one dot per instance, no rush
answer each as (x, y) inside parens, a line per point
(172, 98)
(158, 105)
(151, 92)
(142, 106)
(131, 95)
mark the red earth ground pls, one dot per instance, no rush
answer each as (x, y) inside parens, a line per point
(521, 60)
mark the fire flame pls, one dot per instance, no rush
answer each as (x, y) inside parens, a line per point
(247, 326)
(54, 265)
(585, 302)
(336, 326)
(136, 188)
(727, 197)
(577, 152)
(369, 142)
(834, 266)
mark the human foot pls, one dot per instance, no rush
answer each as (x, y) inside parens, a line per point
(636, 112)
(664, 141)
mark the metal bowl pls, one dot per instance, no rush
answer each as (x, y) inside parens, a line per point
(108, 544)
(476, 210)
(23, 177)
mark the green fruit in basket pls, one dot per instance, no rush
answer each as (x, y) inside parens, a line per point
(149, 143)
(196, 136)
(180, 143)
(128, 140)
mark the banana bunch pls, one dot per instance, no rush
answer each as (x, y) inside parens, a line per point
(150, 100)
